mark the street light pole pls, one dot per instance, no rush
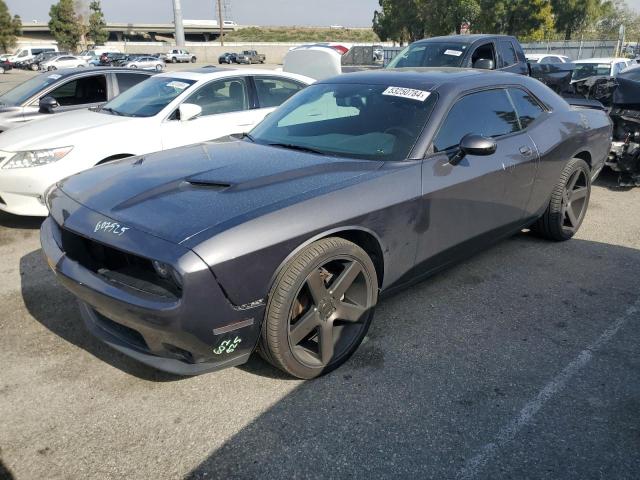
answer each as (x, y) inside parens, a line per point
(221, 23)
(177, 20)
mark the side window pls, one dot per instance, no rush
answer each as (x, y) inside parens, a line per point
(549, 60)
(272, 92)
(487, 113)
(222, 96)
(484, 52)
(128, 80)
(82, 91)
(507, 53)
(527, 107)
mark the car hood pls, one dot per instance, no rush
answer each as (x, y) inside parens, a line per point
(56, 130)
(180, 193)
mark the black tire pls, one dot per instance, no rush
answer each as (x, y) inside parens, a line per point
(193, 59)
(352, 279)
(174, 60)
(563, 217)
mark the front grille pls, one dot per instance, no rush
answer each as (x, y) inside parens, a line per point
(118, 267)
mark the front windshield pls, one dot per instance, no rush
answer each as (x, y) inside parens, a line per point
(430, 54)
(23, 92)
(375, 122)
(584, 70)
(149, 97)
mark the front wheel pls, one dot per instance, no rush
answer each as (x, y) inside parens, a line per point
(35, 67)
(159, 68)
(320, 308)
(193, 59)
(174, 60)
(568, 205)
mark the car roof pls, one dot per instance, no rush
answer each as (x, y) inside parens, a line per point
(602, 60)
(68, 72)
(464, 39)
(213, 72)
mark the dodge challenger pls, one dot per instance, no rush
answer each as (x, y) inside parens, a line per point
(281, 240)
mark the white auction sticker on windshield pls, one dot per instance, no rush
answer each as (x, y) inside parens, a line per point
(455, 53)
(419, 95)
(178, 85)
(55, 76)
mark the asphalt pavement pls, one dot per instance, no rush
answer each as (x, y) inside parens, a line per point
(519, 363)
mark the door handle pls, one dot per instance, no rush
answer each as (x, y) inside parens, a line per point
(525, 150)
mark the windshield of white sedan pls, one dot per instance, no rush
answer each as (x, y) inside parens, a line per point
(430, 54)
(23, 92)
(148, 98)
(377, 122)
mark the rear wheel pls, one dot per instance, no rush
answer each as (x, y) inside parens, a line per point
(159, 67)
(320, 308)
(174, 60)
(193, 59)
(568, 205)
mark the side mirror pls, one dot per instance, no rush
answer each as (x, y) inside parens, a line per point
(48, 104)
(474, 145)
(484, 64)
(189, 111)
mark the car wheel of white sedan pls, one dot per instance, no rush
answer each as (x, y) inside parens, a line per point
(159, 68)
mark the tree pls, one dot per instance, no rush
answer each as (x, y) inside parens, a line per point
(398, 20)
(65, 25)
(575, 15)
(530, 19)
(97, 33)
(10, 28)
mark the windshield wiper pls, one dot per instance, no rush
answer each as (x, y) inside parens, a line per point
(111, 111)
(300, 148)
(248, 136)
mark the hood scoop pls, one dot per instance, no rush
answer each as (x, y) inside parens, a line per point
(208, 184)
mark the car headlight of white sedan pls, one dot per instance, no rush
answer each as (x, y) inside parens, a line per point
(37, 158)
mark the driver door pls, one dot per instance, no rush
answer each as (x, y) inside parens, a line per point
(225, 111)
(468, 205)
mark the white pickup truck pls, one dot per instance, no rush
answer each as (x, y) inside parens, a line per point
(178, 55)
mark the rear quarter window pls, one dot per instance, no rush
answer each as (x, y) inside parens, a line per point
(527, 107)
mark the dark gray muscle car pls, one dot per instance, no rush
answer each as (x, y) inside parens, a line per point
(190, 259)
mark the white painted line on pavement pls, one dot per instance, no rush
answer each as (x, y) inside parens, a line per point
(474, 465)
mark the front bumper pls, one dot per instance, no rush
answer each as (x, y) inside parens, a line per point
(22, 189)
(197, 332)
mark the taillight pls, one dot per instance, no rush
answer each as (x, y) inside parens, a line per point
(340, 49)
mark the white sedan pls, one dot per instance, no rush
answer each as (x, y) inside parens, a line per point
(63, 61)
(166, 111)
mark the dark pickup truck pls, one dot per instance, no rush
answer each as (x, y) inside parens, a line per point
(490, 52)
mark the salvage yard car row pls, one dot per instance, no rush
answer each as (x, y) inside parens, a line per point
(352, 187)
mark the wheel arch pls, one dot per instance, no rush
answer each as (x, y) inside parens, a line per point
(365, 238)
(586, 156)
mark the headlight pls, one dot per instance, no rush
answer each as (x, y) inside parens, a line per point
(167, 272)
(37, 158)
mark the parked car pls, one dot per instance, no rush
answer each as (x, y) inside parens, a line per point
(591, 67)
(228, 58)
(63, 91)
(546, 58)
(145, 63)
(63, 61)
(112, 58)
(359, 185)
(249, 57)
(178, 55)
(42, 57)
(27, 52)
(166, 111)
(97, 51)
(5, 66)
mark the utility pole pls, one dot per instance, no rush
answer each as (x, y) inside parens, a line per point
(177, 20)
(221, 23)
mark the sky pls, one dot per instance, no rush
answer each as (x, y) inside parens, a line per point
(349, 13)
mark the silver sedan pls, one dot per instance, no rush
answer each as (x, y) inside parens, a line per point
(146, 63)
